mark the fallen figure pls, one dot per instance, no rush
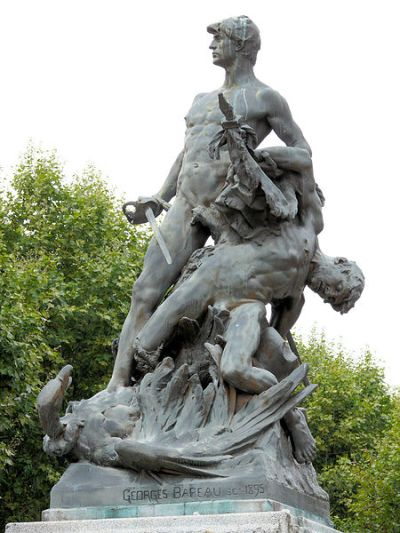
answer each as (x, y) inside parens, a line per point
(260, 257)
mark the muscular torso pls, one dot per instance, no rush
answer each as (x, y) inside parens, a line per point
(273, 271)
(275, 268)
(201, 178)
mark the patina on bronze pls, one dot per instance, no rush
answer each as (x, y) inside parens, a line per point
(202, 401)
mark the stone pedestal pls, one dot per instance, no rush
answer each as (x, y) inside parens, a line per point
(262, 522)
(87, 491)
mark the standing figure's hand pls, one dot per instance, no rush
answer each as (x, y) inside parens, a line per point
(135, 212)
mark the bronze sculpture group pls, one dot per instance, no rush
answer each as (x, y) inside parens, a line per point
(203, 380)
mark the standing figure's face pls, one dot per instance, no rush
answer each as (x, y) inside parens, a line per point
(223, 50)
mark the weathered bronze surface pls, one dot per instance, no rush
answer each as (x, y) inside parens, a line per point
(203, 397)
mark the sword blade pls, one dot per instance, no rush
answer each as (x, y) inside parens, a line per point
(157, 234)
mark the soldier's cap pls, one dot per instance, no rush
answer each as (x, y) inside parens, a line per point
(237, 28)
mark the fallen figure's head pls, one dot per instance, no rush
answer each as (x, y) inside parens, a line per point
(336, 280)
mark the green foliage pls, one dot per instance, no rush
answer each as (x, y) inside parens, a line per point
(354, 418)
(68, 259)
(376, 505)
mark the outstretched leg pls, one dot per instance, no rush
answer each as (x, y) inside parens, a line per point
(242, 339)
(189, 300)
(157, 276)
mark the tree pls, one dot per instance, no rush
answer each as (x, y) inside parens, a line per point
(68, 259)
(354, 417)
(376, 505)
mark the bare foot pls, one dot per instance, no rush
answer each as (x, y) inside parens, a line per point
(303, 442)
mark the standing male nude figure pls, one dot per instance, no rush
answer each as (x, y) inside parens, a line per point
(195, 179)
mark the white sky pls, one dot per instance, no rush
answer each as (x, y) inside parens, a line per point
(109, 82)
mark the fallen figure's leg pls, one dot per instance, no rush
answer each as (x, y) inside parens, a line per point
(242, 338)
(190, 300)
(222, 279)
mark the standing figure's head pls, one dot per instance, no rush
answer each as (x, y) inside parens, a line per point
(232, 37)
(337, 280)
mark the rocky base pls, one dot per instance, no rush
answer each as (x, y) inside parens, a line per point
(176, 444)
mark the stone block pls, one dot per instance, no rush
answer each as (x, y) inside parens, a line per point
(261, 522)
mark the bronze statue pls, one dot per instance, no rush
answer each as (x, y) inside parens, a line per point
(195, 179)
(203, 384)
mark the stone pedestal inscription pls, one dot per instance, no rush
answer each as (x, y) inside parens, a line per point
(80, 487)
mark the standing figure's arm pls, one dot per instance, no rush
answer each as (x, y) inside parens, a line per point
(286, 158)
(159, 201)
(281, 121)
(168, 189)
